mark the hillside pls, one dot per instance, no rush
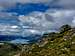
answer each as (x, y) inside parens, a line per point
(52, 44)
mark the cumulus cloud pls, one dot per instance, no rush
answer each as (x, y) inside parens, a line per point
(35, 22)
(39, 22)
(62, 17)
(43, 23)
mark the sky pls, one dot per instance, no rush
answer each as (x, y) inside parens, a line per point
(52, 12)
(27, 17)
(64, 3)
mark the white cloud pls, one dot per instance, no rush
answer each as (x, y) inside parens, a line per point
(73, 22)
(55, 19)
(62, 17)
(14, 26)
(38, 22)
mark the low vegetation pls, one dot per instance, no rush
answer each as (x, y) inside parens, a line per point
(52, 44)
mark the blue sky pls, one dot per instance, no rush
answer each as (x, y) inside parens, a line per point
(23, 9)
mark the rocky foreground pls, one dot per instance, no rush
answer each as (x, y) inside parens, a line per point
(61, 43)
